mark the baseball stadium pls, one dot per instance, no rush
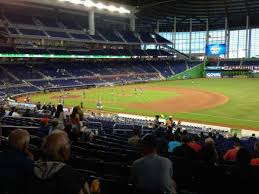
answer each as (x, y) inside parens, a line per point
(174, 83)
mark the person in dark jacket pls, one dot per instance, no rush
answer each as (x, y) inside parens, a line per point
(184, 151)
(16, 163)
(208, 152)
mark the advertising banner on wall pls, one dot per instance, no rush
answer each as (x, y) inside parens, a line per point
(213, 75)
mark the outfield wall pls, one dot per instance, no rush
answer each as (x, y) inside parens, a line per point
(193, 73)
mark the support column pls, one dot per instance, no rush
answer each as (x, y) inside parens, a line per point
(91, 21)
(207, 31)
(247, 37)
(249, 43)
(237, 44)
(190, 43)
(157, 26)
(174, 33)
(228, 43)
(132, 22)
(226, 38)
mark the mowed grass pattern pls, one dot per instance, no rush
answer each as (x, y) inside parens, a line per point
(242, 109)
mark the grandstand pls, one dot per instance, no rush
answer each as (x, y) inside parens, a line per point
(87, 88)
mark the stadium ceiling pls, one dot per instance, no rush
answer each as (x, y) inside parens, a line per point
(149, 12)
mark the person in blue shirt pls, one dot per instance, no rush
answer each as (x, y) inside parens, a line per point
(174, 141)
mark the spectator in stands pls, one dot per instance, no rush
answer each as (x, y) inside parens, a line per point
(184, 151)
(77, 127)
(51, 174)
(211, 135)
(218, 136)
(162, 143)
(44, 126)
(234, 138)
(60, 116)
(231, 155)
(75, 119)
(152, 173)
(27, 113)
(169, 123)
(156, 123)
(80, 112)
(53, 109)
(255, 160)
(54, 125)
(202, 136)
(174, 141)
(44, 107)
(243, 157)
(38, 106)
(244, 177)
(178, 132)
(68, 129)
(252, 138)
(208, 152)
(49, 107)
(135, 140)
(2, 111)
(194, 145)
(16, 163)
(13, 112)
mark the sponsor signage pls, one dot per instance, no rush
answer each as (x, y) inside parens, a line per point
(214, 75)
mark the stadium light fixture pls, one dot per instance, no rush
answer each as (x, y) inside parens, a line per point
(99, 5)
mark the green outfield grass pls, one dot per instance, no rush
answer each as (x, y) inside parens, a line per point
(242, 109)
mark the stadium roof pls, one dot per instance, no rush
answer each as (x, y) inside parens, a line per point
(164, 11)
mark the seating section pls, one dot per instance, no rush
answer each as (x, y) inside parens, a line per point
(20, 19)
(161, 39)
(245, 62)
(80, 36)
(49, 22)
(146, 37)
(56, 34)
(109, 158)
(230, 63)
(130, 37)
(178, 67)
(3, 30)
(17, 90)
(22, 72)
(251, 63)
(13, 31)
(58, 51)
(70, 23)
(32, 32)
(32, 51)
(63, 28)
(32, 76)
(6, 79)
(80, 51)
(153, 52)
(7, 50)
(111, 36)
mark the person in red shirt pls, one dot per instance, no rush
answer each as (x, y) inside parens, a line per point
(194, 145)
(231, 155)
(255, 160)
